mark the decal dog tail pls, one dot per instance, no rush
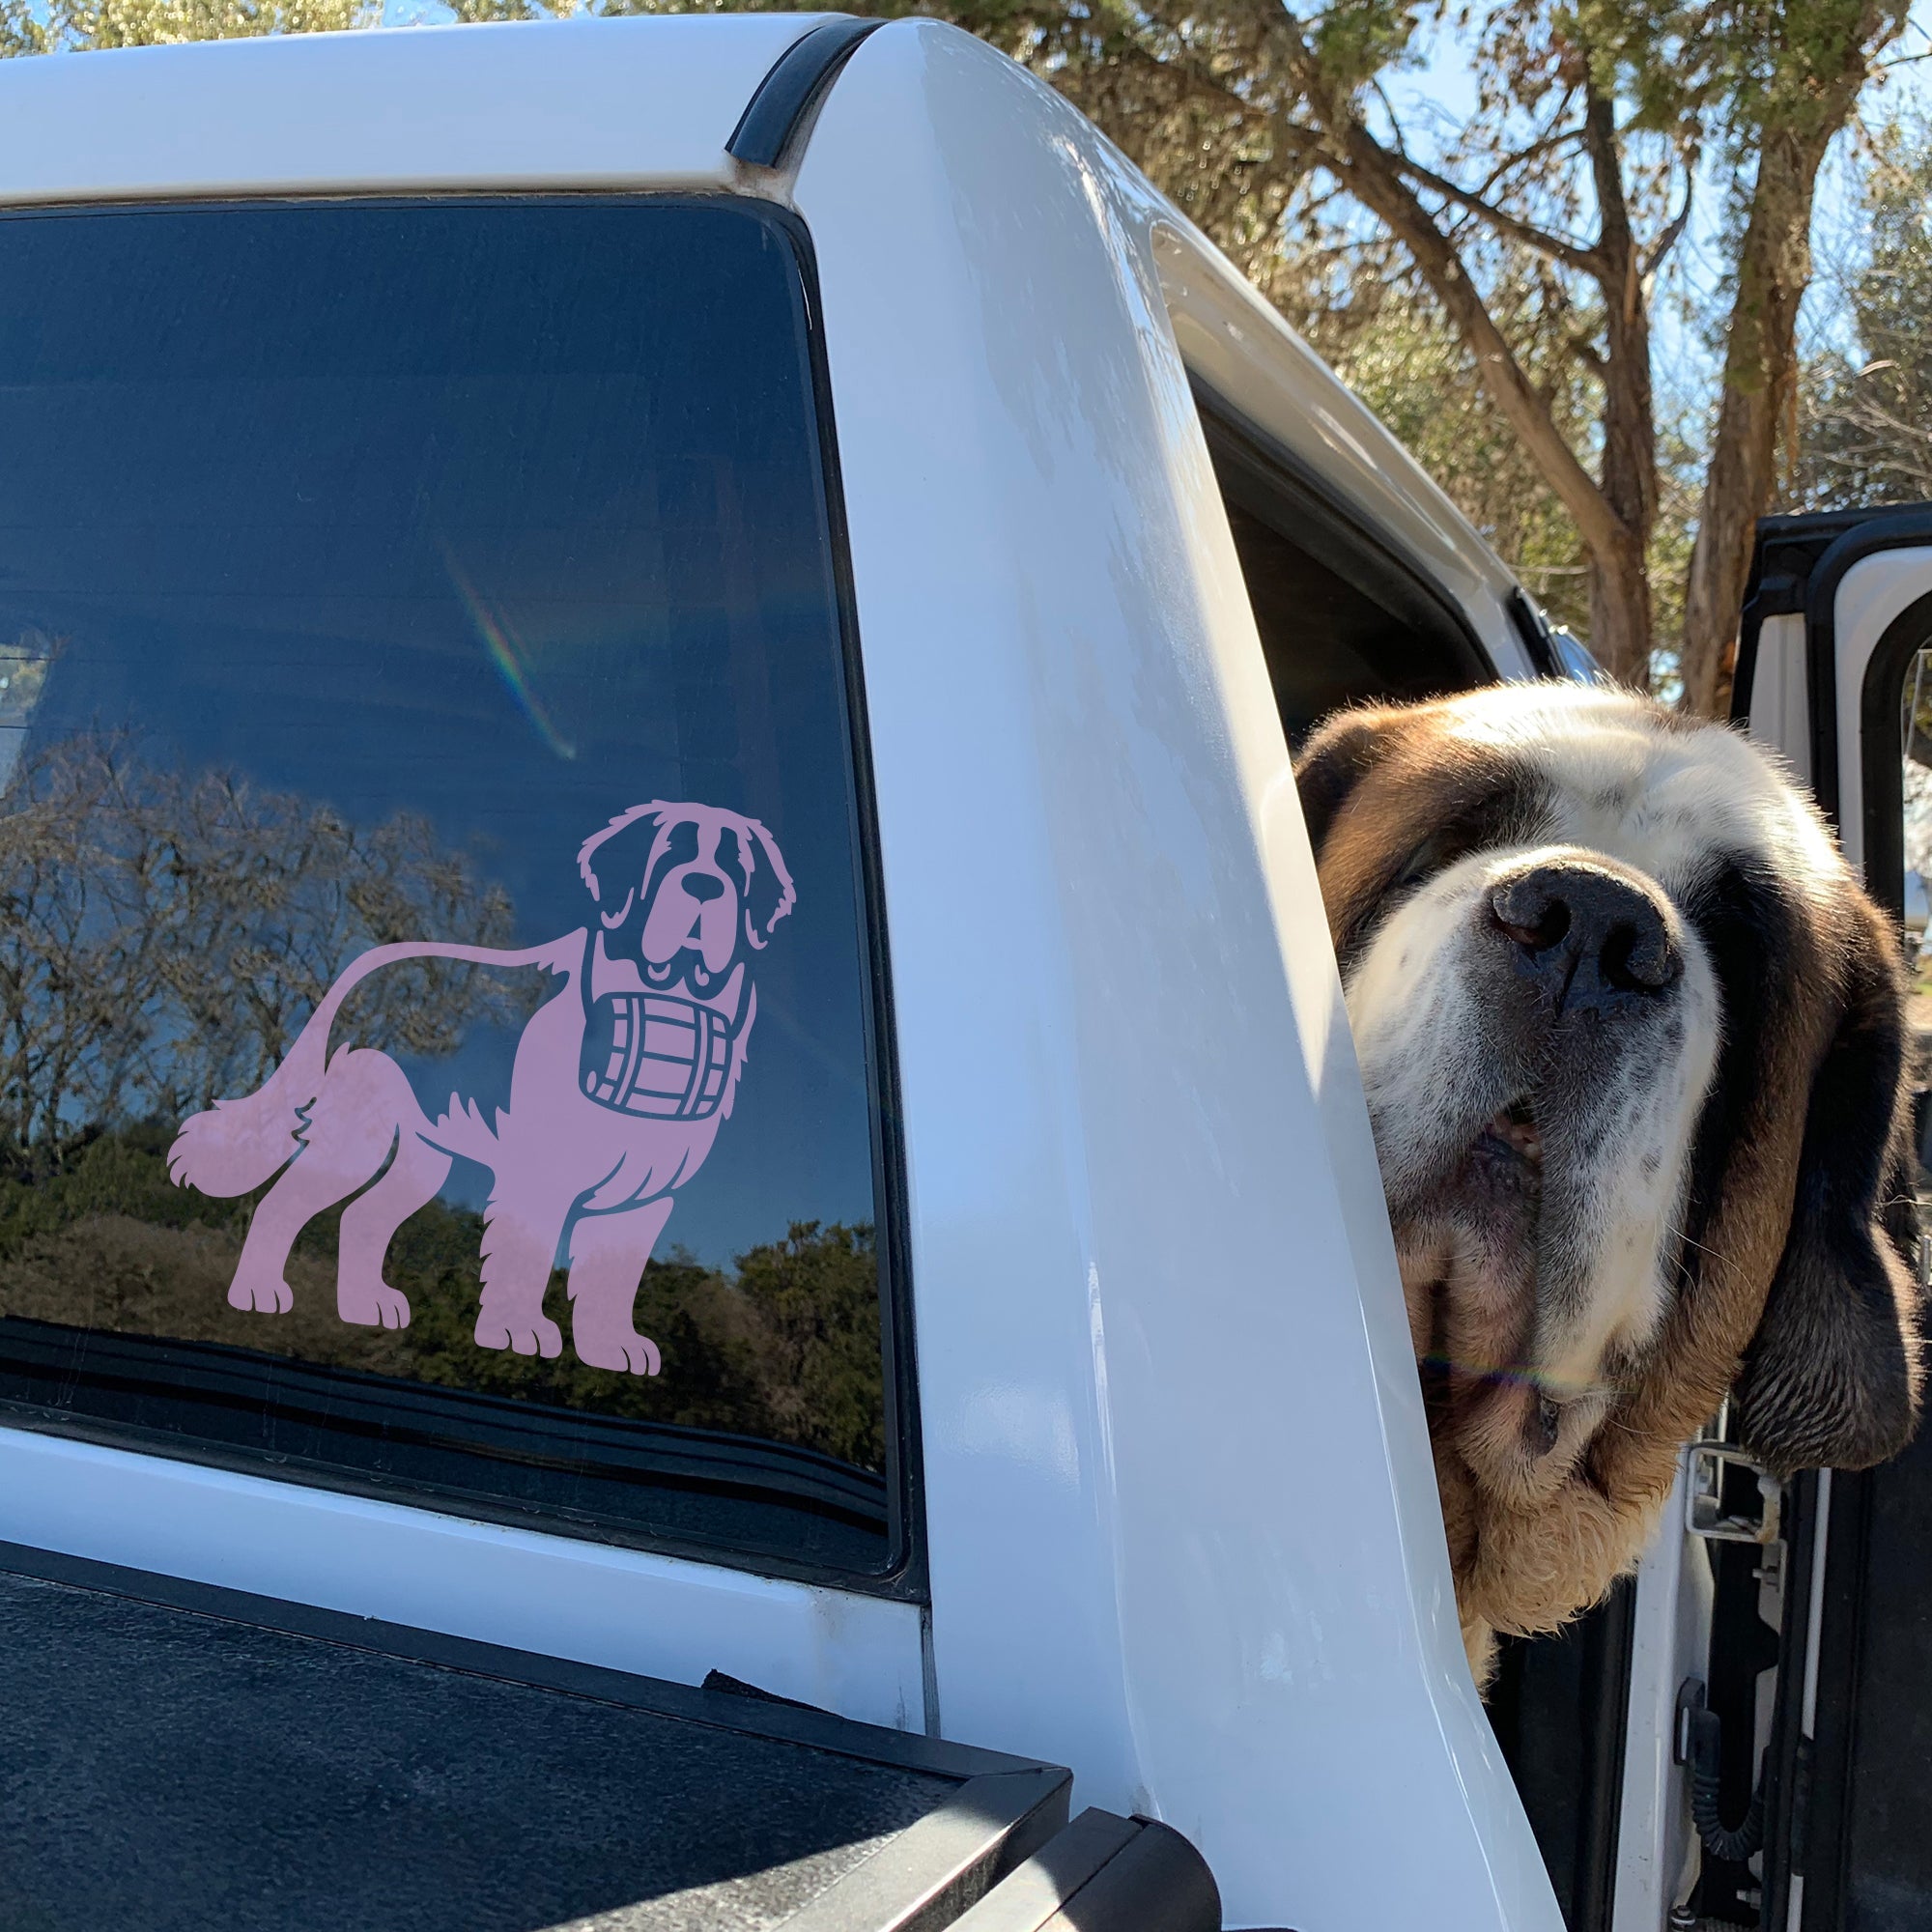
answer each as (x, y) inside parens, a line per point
(236, 1146)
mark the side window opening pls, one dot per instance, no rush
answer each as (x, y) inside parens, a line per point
(1342, 619)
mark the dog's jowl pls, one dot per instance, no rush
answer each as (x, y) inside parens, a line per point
(1634, 1045)
(621, 1081)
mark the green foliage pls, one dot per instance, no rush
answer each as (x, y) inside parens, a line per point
(816, 1300)
(1359, 40)
(785, 1347)
(1865, 408)
(107, 1174)
(1398, 355)
(71, 25)
(1720, 74)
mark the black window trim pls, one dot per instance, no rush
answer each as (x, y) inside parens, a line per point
(907, 1575)
(1813, 1780)
(1532, 629)
(904, 1575)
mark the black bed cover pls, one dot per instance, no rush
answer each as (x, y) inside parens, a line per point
(176, 1757)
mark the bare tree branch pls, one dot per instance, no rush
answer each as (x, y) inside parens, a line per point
(166, 934)
(1380, 180)
(1556, 247)
(1660, 249)
(1535, 151)
(1375, 178)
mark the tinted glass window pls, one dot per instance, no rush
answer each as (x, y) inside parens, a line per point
(434, 972)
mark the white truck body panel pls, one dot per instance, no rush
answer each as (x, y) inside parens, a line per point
(1876, 590)
(571, 105)
(1182, 1514)
(592, 1603)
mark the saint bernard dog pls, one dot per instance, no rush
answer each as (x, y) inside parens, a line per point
(1634, 1048)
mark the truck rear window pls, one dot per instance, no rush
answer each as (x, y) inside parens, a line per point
(439, 1049)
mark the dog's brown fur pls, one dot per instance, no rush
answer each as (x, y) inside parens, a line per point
(1795, 1286)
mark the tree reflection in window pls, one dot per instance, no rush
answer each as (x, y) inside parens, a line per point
(163, 937)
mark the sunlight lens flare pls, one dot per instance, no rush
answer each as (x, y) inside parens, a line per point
(502, 643)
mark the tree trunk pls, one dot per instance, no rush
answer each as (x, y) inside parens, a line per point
(1760, 373)
(1620, 633)
(1761, 354)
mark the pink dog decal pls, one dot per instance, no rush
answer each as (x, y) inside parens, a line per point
(620, 1082)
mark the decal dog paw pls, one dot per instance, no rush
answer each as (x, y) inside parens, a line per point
(620, 1083)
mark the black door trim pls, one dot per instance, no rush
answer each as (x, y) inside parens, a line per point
(1799, 565)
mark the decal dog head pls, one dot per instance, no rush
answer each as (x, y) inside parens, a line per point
(683, 890)
(621, 1081)
(1634, 1045)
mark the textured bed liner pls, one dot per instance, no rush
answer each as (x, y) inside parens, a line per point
(176, 1757)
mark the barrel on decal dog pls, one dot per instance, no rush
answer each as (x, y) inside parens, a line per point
(655, 1054)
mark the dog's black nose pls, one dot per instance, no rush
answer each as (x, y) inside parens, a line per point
(1584, 935)
(702, 886)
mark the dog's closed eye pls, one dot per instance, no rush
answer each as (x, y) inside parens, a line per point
(1424, 861)
(1499, 811)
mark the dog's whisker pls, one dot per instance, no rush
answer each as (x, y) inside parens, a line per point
(1684, 1240)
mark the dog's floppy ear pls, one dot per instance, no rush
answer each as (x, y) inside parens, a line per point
(1340, 753)
(768, 892)
(611, 863)
(1831, 1378)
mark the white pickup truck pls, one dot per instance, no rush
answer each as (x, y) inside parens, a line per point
(588, 539)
